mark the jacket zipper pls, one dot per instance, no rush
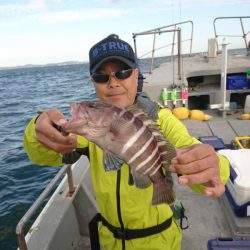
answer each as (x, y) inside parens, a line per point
(118, 203)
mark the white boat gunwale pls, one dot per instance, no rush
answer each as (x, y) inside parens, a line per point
(62, 201)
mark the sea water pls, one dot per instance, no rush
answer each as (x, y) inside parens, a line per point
(24, 91)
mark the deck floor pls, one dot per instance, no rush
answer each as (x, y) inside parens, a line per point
(227, 129)
(208, 218)
(205, 218)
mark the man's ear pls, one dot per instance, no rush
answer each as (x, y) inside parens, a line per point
(136, 72)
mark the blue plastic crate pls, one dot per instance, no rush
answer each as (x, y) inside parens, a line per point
(248, 78)
(239, 210)
(248, 82)
(214, 141)
(237, 82)
(228, 244)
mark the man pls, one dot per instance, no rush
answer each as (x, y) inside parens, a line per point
(123, 206)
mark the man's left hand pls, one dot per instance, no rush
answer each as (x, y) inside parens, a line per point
(199, 164)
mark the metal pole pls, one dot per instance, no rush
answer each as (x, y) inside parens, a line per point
(179, 54)
(70, 180)
(172, 52)
(153, 53)
(224, 76)
(21, 242)
(134, 36)
(234, 17)
(191, 40)
(244, 36)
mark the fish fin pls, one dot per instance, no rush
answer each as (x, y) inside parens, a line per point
(141, 114)
(169, 178)
(163, 193)
(141, 181)
(135, 110)
(111, 162)
(168, 152)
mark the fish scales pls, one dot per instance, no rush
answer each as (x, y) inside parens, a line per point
(129, 136)
(167, 150)
(147, 159)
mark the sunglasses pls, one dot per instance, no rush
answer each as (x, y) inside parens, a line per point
(105, 78)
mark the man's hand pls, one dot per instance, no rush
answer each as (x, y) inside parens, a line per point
(199, 164)
(49, 136)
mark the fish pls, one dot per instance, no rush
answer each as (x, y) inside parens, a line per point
(127, 136)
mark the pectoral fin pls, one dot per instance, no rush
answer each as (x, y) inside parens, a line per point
(111, 162)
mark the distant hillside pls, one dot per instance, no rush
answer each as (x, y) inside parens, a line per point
(43, 65)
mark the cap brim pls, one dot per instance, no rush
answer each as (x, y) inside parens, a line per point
(122, 59)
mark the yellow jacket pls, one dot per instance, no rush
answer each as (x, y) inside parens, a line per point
(136, 209)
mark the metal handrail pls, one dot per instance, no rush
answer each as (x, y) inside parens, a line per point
(244, 34)
(164, 31)
(161, 30)
(19, 229)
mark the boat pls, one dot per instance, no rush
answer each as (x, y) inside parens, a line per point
(63, 222)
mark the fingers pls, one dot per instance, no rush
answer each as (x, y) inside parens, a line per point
(195, 159)
(198, 178)
(213, 187)
(56, 116)
(199, 164)
(215, 191)
(196, 166)
(49, 136)
(194, 153)
(56, 142)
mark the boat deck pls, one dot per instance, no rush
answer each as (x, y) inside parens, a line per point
(193, 67)
(211, 218)
(227, 129)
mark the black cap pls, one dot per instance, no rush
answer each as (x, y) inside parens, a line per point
(111, 48)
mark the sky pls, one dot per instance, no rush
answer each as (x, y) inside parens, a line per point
(54, 31)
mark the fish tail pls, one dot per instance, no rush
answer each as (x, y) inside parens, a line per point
(163, 193)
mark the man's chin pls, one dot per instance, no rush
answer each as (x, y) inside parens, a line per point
(117, 102)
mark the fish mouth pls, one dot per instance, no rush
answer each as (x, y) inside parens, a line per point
(74, 123)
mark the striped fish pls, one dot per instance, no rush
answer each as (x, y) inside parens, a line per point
(127, 135)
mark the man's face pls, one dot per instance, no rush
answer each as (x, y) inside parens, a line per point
(118, 92)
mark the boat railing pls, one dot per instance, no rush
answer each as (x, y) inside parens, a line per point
(244, 33)
(37, 204)
(174, 28)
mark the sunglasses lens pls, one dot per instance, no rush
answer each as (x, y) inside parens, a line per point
(100, 77)
(123, 74)
(104, 78)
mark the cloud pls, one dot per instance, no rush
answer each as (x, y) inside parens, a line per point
(71, 16)
(31, 6)
(43, 49)
(91, 14)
